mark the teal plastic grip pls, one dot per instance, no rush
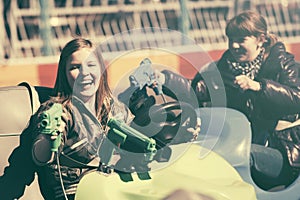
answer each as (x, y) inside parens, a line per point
(122, 130)
(50, 122)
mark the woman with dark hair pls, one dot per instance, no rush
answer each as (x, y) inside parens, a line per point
(82, 89)
(260, 79)
(86, 105)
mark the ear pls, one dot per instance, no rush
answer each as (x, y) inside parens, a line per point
(261, 39)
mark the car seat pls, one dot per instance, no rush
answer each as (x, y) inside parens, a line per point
(17, 104)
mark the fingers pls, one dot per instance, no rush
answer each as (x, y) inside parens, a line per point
(160, 77)
(54, 136)
(154, 85)
(244, 82)
(133, 81)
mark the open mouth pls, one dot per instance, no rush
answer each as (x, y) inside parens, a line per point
(85, 83)
(237, 54)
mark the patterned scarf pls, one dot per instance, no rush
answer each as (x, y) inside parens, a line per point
(249, 69)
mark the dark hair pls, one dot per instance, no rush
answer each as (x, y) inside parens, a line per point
(250, 23)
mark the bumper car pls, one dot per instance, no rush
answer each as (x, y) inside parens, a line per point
(216, 165)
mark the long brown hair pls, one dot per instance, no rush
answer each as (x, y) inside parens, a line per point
(62, 89)
(250, 23)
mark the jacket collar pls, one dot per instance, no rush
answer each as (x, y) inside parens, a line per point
(273, 63)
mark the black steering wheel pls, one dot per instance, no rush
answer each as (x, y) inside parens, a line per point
(167, 123)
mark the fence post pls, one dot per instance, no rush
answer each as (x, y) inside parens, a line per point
(2, 35)
(184, 21)
(45, 28)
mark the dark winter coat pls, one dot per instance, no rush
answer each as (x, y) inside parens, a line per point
(279, 97)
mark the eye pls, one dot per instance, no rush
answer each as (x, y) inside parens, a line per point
(237, 40)
(240, 40)
(92, 64)
(74, 66)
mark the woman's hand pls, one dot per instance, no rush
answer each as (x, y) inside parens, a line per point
(159, 79)
(45, 145)
(245, 83)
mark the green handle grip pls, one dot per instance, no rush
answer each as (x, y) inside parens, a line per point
(50, 122)
(128, 135)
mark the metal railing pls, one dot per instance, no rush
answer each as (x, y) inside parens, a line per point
(36, 31)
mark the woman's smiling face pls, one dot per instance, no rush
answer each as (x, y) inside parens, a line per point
(244, 49)
(83, 73)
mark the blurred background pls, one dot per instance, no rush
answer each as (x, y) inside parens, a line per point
(34, 32)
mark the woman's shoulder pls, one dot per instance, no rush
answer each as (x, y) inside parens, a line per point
(278, 47)
(279, 51)
(224, 57)
(120, 110)
(46, 105)
(117, 106)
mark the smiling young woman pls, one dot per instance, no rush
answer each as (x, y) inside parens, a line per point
(87, 103)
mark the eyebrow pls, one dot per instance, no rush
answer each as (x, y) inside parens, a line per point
(75, 63)
(89, 61)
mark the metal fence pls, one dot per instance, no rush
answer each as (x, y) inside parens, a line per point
(37, 30)
(283, 17)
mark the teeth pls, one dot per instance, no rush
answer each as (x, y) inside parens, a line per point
(86, 82)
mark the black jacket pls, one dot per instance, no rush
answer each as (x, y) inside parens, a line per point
(279, 97)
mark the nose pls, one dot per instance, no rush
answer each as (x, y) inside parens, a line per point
(84, 69)
(235, 45)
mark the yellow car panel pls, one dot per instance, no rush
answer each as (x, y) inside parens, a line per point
(211, 176)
